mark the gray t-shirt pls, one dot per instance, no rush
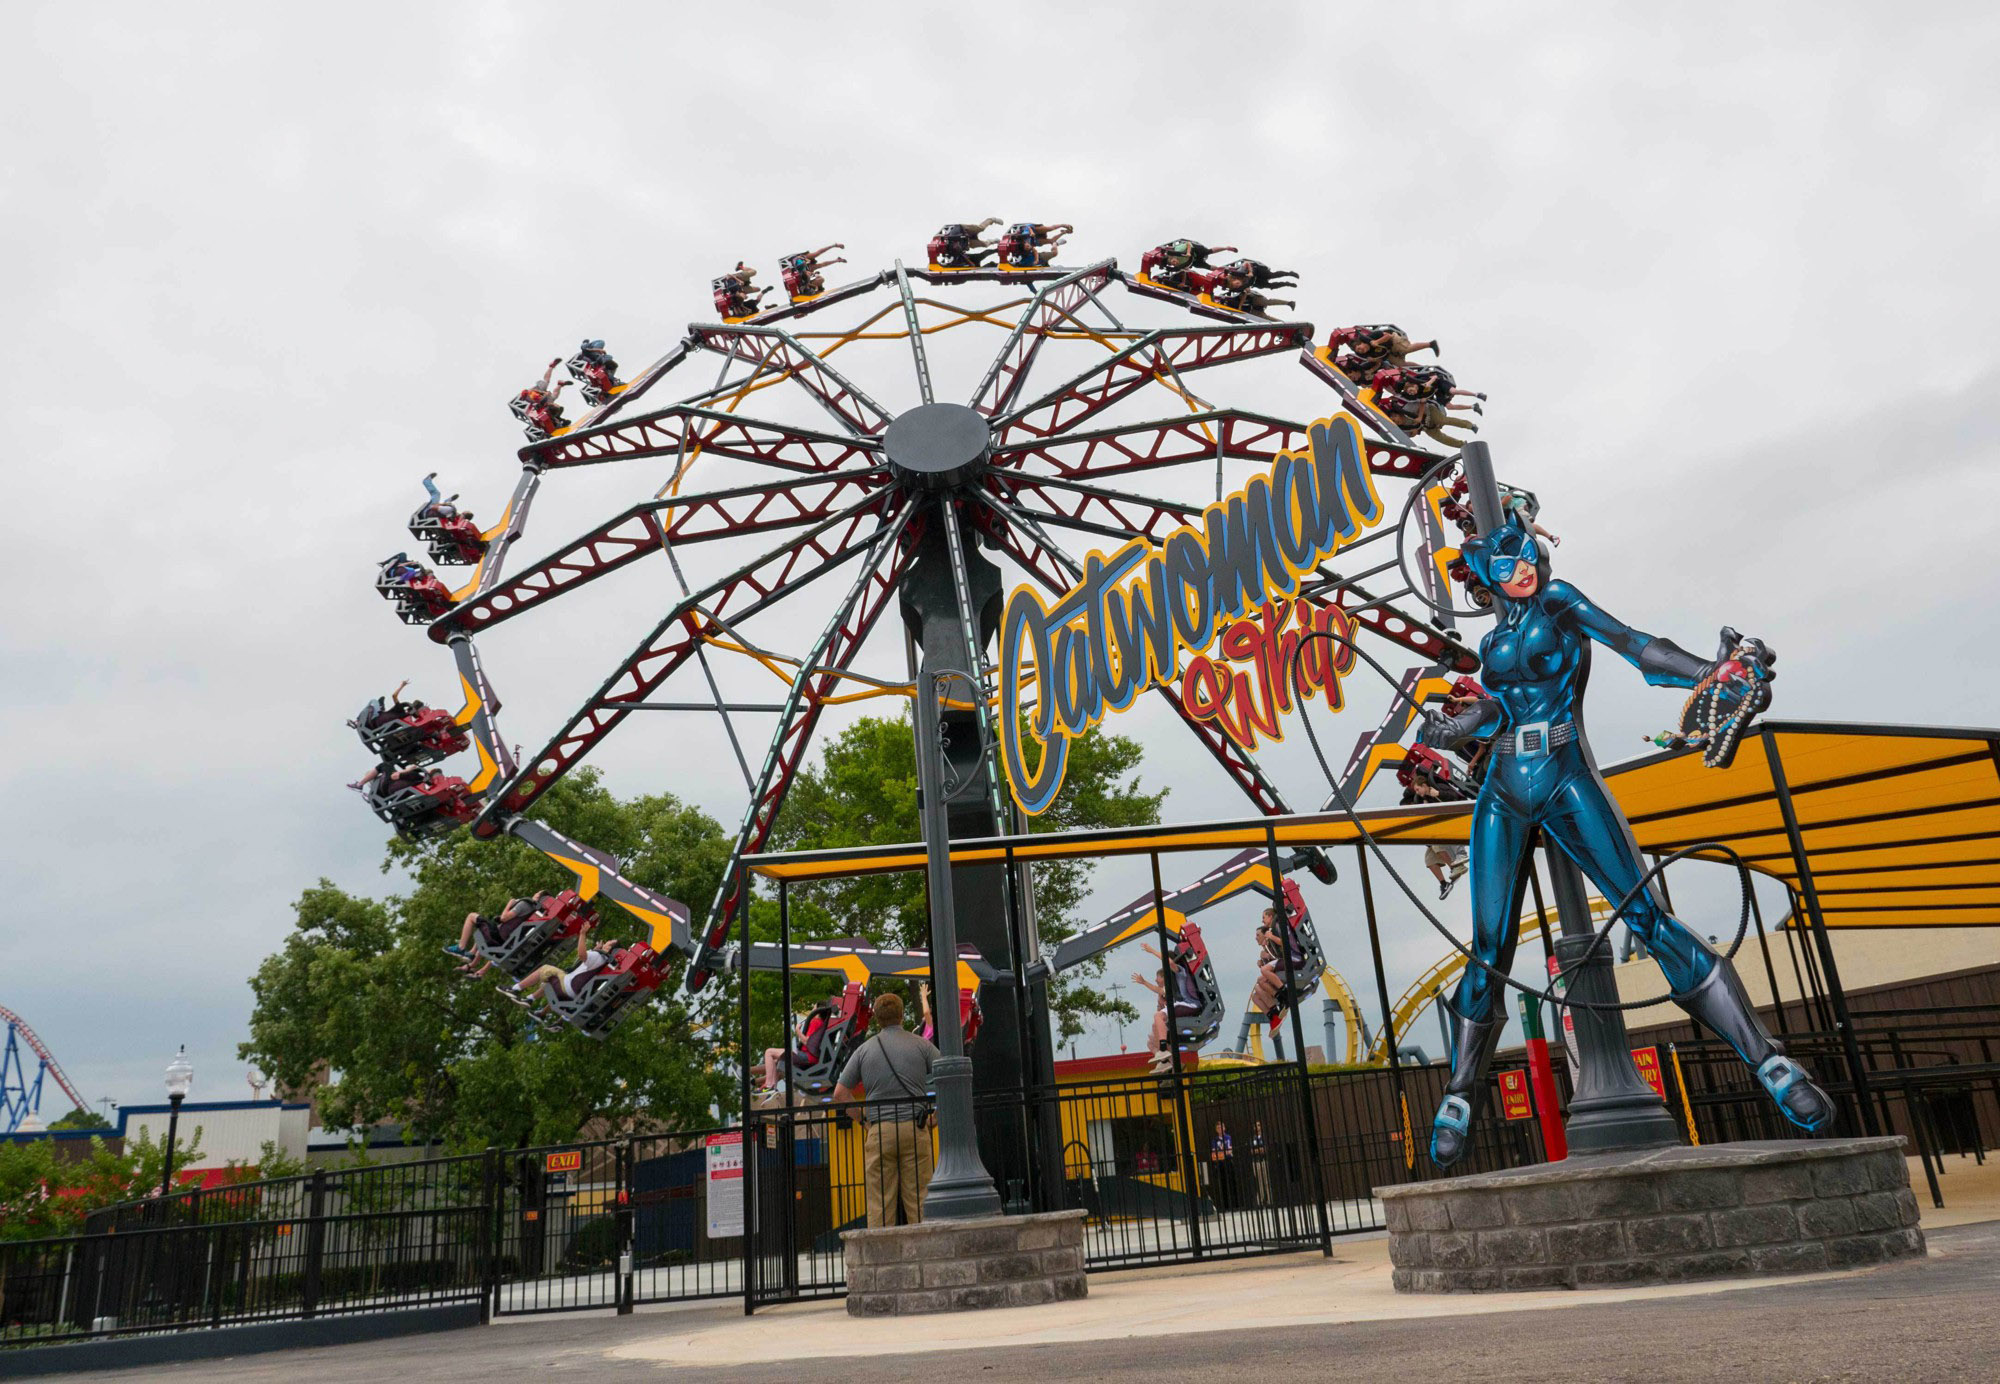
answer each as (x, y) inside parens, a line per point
(895, 1062)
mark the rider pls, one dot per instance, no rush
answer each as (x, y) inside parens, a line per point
(1031, 244)
(1238, 289)
(1432, 382)
(1167, 265)
(736, 294)
(389, 708)
(1425, 416)
(1275, 934)
(1371, 348)
(493, 932)
(538, 405)
(958, 246)
(595, 372)
(556, 984)
(437, 507)
(592, 353)
(801, 270)
(1537, 660)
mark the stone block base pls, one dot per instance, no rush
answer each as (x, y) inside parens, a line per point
(960, 1266)
(1659, 1216)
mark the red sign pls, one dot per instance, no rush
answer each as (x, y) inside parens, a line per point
(1647, 1060)
(1514, 1102)
(565, 1162)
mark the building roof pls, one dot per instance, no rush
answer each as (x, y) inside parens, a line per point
(1900, 825)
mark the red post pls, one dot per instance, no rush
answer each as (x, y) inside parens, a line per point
(1542, 1077)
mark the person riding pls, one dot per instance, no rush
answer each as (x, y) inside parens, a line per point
(1371, 348)
(1032, 244)
(1447, 864)
(1432, 382)
(1425, 416)
(553, 984)
(959, 246)
(539, 406)
(801, 271)
(595, 372)
(1543, 780)
(493, 932)
(1237, 289)
(813, 1033)
(593, 353)
(389, 708)
(1262, 275)
(736, 294)
(1167, 265)
(1275, 936)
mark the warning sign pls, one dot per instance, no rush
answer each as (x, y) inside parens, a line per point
(1514, 1101)
(725, 1184)
(1647, 1060)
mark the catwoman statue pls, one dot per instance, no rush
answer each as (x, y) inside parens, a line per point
(1541, 775)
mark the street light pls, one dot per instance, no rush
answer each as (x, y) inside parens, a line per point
(180, 1076)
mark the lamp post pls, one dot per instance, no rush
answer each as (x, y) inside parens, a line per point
(180, 1076)
(961, 1187)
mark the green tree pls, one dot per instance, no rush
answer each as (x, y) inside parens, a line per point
(863, 792)
(43, 1192)
(363, 1008)
(80, 1118)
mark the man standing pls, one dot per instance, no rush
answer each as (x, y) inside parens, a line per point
(1260, 1162)
(1221, 1149)
(896, 1162)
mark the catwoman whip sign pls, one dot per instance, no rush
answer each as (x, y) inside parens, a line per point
(1228, 584)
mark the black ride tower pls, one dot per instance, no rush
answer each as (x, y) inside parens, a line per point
(941, 450)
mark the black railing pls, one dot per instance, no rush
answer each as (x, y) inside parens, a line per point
(335, 1241)
(759, 1211)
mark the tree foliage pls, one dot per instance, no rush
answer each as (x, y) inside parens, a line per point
(363, 1008)
(79, 1118)
(44, 1191)
(863, 792)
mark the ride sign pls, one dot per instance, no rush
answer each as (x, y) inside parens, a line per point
(1231, 584)
(724, 1184)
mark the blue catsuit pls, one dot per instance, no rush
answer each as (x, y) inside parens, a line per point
(1536, 661)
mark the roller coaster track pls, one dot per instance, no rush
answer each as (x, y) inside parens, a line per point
(15, 1108)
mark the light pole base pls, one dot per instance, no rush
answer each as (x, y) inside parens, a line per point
(960, 1187)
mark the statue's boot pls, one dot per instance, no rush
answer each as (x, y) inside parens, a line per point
(1472, 1045)
(1719, 1002)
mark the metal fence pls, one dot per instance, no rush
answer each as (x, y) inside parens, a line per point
(1206, 1164)
(351, 1240)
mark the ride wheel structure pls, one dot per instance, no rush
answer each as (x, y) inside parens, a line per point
(819, 478)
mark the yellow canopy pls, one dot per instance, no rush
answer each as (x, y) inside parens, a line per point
(1900, 825)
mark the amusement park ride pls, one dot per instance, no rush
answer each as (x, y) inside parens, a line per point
(20, 1098)
(872, 510)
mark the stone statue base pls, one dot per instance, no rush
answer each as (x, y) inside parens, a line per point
(1657, 1216)
(961, 1266)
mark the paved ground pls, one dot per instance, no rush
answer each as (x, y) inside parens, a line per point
(1926, 1320)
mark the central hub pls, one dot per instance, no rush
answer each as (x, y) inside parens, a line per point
(937, 446)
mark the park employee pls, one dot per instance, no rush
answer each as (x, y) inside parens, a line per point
(897, 1157)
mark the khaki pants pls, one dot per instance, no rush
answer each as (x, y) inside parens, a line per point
(896, 1162)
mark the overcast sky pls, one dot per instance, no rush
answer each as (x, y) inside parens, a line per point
(1726, 275)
